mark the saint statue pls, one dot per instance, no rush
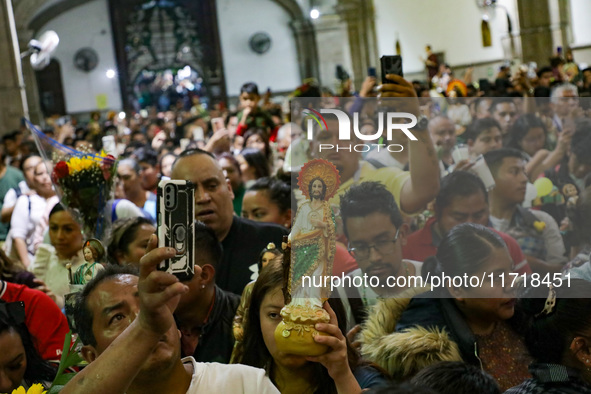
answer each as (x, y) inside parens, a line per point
(312, 242)
(93, 253)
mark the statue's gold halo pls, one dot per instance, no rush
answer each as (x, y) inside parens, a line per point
(319, 168)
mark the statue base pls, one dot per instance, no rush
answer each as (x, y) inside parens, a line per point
(295, 333)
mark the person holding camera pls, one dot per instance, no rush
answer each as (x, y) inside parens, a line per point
(119, 310)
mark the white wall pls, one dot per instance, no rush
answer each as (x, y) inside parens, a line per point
(277, 68)
(86, 26)
(450, 26)
(581, 23)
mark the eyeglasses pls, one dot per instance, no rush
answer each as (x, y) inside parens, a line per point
(384, 247)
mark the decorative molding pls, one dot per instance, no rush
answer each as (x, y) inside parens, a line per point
(305, 39)
(42, 18)
(292, 8)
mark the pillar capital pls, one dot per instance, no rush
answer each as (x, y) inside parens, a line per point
(359, 16)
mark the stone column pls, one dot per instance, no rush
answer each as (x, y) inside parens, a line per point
(360, 18)
(535, 30)
(544, 25)
(10, 94)
(306, 47)
(561, 23)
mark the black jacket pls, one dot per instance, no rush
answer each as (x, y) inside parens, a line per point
(217, 339)
(242, 248)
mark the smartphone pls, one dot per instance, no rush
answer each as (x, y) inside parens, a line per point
(217, 124)
(184, 142)
(391, 65)
(60, 122)
(109, 145)
(341, 74)
(176, 224)
(371, 72)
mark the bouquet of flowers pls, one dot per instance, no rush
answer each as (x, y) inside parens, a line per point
(83, 181)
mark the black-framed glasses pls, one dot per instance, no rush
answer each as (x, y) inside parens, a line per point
(361, 252)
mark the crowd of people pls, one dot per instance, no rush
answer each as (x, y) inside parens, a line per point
(496, 180)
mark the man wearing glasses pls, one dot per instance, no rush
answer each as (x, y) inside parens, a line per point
(376, 233)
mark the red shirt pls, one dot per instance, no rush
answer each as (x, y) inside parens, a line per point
(343, 261)
(419, 246)
(44, 319)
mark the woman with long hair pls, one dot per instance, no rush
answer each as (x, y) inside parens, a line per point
(258, 138)
(337, 371)
(20, 363)
(51, 260)
(528, 134)
(30, 216)
(253, 165)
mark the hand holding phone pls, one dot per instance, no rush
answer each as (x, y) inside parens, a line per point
(217, 124)
(391, 65)
(176, 223)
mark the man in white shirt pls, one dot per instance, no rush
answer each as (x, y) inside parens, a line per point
(132, 343)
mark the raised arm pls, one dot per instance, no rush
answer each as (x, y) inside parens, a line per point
(423, 185)
(115, 369)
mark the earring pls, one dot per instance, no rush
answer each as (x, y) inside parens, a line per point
(203, 286)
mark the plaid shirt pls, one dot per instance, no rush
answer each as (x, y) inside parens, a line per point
(552, 379)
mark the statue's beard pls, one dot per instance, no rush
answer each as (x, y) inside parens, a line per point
(317, 196)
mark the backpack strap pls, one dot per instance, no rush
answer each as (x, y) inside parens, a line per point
(375, 163)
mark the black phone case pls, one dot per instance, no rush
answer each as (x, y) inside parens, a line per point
(391, 65)
(176, 225)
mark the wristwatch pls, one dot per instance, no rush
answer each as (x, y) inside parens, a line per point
(422, 123)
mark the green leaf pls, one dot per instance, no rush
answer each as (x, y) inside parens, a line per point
(62, 380)
(70, 358)
(65, 351)
(55, 389)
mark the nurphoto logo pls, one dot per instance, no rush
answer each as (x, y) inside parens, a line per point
(392, 120)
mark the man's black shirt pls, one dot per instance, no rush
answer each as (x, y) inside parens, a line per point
(242, 248)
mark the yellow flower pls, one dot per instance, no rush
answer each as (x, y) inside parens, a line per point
(78, 164)
(86, 162)
(37, 388)
(539, 225)
(74, 164)
(34, 389)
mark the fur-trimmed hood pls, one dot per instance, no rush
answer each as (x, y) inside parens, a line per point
(403, 353)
